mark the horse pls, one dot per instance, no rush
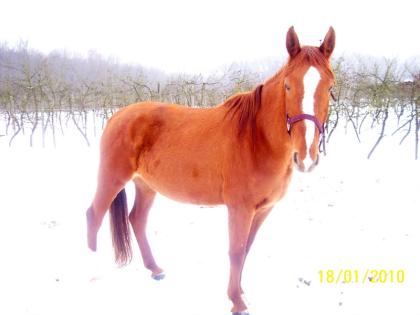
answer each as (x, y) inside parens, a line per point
(240, 153)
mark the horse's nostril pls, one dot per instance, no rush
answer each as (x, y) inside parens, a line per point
(295, 158)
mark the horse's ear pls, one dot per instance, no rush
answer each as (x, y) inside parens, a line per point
(328, 44)
(292, 42)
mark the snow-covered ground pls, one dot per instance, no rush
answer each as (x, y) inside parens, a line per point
(350, 214)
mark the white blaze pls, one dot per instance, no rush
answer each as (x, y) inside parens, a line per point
(310, 83)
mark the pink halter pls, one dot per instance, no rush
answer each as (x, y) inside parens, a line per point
(321, 129)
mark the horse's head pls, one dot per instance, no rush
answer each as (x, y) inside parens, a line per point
(307, 84)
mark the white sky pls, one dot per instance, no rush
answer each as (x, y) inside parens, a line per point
(192, 36)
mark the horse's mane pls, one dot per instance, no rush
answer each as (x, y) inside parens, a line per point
(244, 107)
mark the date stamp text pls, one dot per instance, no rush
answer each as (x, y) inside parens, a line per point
(356, 276)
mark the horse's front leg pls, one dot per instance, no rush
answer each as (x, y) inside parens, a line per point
(257, 221)
(240, 220)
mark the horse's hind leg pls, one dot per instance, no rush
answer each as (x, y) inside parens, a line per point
(138, 219)
(107, 189)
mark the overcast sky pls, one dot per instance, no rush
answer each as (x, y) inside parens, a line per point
(193, 36)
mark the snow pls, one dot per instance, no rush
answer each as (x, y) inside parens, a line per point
(349, 214)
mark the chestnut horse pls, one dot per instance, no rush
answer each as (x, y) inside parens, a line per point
(240, 153)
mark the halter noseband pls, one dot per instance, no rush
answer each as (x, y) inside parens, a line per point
(320, 127)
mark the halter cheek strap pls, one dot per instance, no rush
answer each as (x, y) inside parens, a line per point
(321, 128)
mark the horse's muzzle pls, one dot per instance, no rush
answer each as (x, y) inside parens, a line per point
(306, 165)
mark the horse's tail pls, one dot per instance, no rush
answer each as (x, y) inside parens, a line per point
(120, 229)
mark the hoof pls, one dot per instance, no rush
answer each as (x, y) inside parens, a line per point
(159, 276)
(92, 243)
(91, 235)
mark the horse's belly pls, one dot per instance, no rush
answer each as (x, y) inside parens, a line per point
(188, 186)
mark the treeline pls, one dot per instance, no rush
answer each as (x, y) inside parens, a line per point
(370, 91)
(39, 91)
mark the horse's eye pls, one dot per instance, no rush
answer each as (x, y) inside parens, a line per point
(287, 87)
